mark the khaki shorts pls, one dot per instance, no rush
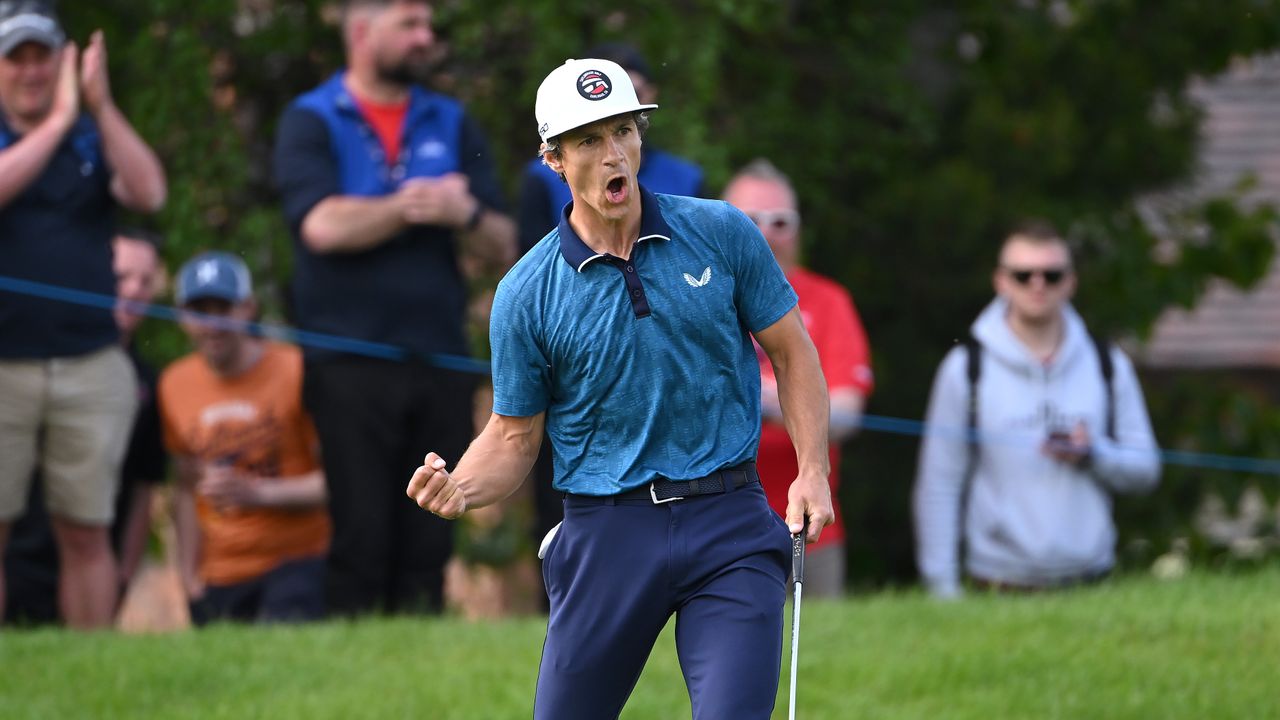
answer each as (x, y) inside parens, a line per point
(72, 418)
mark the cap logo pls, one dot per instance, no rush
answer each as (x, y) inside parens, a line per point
(207, 272)
(594, 85)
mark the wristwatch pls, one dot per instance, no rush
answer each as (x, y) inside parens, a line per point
(473, 222)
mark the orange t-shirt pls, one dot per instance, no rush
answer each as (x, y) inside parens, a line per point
(832, 321)
(256, 422)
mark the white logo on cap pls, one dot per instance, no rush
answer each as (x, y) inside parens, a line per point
(207, 272)
(594, 85)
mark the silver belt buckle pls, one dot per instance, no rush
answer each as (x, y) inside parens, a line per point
(653, 494)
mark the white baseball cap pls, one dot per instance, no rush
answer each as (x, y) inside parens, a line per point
(580, 92)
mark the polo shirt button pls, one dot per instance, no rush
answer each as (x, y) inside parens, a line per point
(637, 292)
(631, 268)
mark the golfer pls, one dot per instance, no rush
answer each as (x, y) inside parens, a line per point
(626, 331)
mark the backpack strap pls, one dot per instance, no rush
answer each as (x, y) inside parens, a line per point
(973, 371)
(1103, 348)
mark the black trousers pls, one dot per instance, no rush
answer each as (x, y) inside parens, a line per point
(376, 420)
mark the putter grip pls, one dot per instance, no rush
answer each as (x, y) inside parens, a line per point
(797, 553)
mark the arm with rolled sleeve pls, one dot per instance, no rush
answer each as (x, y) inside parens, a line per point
(940, 478)
(1131, 462)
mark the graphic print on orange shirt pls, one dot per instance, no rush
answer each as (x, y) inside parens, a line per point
(255, 423)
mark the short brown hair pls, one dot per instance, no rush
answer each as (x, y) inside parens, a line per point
(552, 144)
(1035, 231)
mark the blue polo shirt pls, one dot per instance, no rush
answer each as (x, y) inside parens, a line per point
(409, 291)
(644, 367)
(58, 231)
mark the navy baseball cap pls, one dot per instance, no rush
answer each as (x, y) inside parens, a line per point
(625, 55)
(29, 21)
(217, 275)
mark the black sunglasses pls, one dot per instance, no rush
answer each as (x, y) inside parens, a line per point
(1052, 276)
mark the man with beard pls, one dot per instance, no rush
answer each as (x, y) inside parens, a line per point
(385, 184)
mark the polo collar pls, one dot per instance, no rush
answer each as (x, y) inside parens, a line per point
(652, 227)
(346, 102)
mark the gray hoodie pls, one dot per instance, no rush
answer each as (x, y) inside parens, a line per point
(1030, 520)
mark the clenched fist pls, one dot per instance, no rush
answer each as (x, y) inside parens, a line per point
(434, 489)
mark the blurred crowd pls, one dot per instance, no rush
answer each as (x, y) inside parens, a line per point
(284, 467)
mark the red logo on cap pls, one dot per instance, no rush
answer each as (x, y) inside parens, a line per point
(594, 85)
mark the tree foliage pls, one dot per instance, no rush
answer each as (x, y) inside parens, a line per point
(915, 132)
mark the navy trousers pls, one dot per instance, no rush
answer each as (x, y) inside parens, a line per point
(615, 573)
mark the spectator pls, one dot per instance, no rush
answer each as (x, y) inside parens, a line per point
(140, 276)
(249, 510)
(765, 194)
(67, 157)
(383, 184)
(31, 561)
(1061, 425)
(543, 196)
(643, 375)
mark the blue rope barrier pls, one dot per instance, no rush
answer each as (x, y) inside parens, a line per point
(1181, 458)
(321, 341)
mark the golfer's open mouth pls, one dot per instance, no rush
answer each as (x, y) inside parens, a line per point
(616, 189)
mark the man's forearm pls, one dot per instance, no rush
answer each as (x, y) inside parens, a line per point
(846, 414)
(139, 181)
(300, 492)
(498, 460)
(22, 162)
(348, 223)
(187, 534)
(802, 392)
(493, 241)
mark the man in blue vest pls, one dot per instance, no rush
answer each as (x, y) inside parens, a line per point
(68, 157)
(626, 333)
(385, 184)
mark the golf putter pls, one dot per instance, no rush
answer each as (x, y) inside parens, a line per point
(797, 576)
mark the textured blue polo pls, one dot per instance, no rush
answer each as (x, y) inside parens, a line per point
(644, 366)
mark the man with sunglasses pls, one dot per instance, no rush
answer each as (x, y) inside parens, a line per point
(1031, 499)
(765, 194)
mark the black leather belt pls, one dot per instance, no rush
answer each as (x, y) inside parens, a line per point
(663, 490)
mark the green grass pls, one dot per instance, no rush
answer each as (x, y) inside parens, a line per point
(1207, 646)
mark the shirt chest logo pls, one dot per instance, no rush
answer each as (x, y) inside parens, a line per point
(701, 281)
(432, 150)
